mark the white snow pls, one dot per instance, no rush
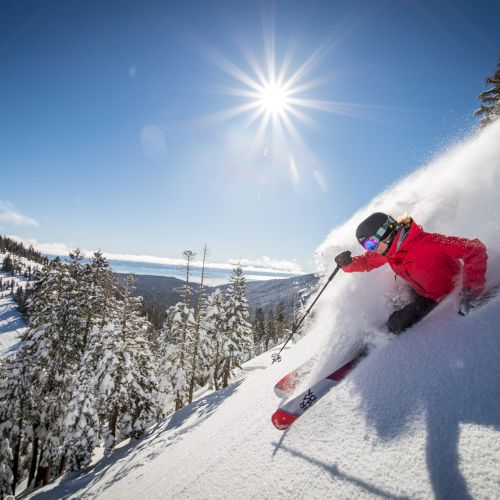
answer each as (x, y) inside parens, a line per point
(12, 324)
(418, 418)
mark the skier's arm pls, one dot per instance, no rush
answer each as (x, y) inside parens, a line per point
(365, 262)
(474, 256)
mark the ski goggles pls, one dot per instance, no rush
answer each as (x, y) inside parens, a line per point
(386, 229)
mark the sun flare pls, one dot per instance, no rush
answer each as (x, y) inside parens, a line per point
(273, 99)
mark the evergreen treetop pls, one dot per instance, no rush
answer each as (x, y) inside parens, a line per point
(489, 110)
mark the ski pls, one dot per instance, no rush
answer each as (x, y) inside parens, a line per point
(285, 386)
(285, 416)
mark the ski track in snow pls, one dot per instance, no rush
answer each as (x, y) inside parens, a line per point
(418, 418)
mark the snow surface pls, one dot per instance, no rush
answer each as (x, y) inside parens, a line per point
(418, 418)
(12, 324)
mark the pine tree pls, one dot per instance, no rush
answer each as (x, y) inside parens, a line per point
(82, 425)
(165, 350)
(270, 339)
(178, 343)
(100, 292)
(281, 325)
(8, 264)
(259, 328)
(240, 335)
(16, 405)
(215, 326)
(200, 349)
(126, 372)
(489, 111)
(55, 349)
(177, 336)
(6, 476)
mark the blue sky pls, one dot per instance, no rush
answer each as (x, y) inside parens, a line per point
(120, 123)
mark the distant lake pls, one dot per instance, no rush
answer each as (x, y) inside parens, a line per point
(213, 276)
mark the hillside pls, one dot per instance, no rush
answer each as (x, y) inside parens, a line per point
(12, 323)
(161, 292)
(418, 418)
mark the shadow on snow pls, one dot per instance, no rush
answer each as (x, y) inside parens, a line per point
(122, 461)
(450, 373)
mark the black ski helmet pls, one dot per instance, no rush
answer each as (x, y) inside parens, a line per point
(372, 224)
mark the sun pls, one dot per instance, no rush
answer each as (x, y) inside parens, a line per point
(274, 99)
(274, 96)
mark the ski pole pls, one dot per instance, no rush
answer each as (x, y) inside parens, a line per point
(276, 357)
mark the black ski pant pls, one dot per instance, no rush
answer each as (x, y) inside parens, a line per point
(402, 319)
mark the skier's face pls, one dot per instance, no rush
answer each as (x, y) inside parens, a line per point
(381, 248)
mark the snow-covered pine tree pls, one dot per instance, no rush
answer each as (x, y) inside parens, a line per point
(165, 391)
(490, 107)
(15, 418)
(240, 335)
(176, 337)
(126, 372)
(46, 365)
(200, 349)
(6, 476)
(101, 291)
(215, 326)
(82, 425)
(55, 348)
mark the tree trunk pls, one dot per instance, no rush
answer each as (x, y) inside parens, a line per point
(34, 458)
(226, 372)
(216, 368)
(46, 473)
(62, 465)
(15, 464)
(193, 368)
(113, 419)
(39, 472)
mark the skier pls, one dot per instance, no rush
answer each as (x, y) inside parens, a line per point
(429, 262)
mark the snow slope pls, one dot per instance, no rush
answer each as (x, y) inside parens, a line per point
(418, 418)
(12, 324)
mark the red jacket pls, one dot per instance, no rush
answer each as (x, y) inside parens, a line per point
(430, 262)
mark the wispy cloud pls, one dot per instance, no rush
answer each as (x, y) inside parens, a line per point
(152, 140)
(46, 248)
(11, 217)
(263, 264)
(268, 264)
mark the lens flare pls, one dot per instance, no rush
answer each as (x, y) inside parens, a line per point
(273, 99)
(277, 96)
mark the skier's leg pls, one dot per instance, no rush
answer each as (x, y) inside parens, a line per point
(412, 313)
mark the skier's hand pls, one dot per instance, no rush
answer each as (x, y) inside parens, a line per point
(343, 259)
(467, 296)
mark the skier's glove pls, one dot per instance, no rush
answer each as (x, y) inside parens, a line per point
(467, 297)
(343, 259)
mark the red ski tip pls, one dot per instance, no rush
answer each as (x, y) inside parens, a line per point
(282, 419)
